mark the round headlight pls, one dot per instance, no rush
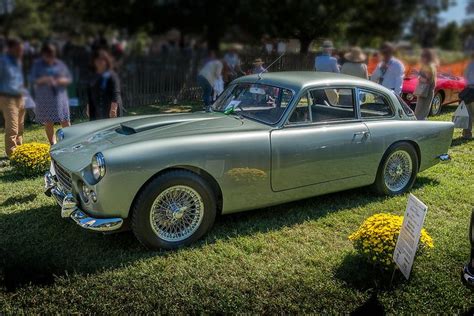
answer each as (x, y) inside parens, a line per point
(98, 166)
(59, 135)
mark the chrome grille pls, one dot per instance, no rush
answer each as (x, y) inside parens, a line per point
(63, 176)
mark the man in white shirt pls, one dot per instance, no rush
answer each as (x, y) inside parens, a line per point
(390, 71)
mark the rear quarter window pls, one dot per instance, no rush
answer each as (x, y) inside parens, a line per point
(406, 108)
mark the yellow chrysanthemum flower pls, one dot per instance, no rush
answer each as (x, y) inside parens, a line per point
(377, 236)
(31, 158)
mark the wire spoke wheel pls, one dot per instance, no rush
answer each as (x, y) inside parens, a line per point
(177, 213)
(436, 104)
(398, 170)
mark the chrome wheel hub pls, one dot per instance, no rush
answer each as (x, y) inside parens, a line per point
(177, 213)
(398, 170)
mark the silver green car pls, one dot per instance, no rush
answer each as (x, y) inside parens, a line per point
(269, 139)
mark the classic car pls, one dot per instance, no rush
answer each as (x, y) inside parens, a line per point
(446, 91)
(269, 139)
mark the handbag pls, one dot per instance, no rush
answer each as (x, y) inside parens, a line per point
(461, 116)
(422, 90)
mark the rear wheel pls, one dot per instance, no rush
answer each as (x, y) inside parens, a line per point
(173, 210)
(398, 169)
(436, 104)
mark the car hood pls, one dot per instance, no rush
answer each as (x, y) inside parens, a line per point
(75, 152)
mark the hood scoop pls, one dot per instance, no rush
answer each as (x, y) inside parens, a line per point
(141, 125)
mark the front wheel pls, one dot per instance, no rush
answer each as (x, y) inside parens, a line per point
(173, 210)
(398, 170)
(436, 104)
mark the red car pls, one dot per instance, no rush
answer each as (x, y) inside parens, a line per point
(446, 91)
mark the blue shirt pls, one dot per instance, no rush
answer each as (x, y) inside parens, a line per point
(390, 75)
(326, 63)
(11, 76)
(56, 70)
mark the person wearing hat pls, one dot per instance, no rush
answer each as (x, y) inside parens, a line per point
(355, 63)
(258, 66)
(325, 62)
(390, 71)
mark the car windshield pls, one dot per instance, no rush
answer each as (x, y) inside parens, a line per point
(261, 102)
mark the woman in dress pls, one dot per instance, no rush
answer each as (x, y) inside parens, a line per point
(51, 77)
(104, 89)
(426, 84)
(355, 63)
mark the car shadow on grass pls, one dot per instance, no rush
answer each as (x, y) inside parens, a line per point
(9, 174)
(36, 245)
(19, 199)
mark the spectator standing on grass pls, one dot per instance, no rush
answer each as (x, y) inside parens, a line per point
(426, 84)
(11, 94)
(469, 76)
(207, 79)
(390, 71)
(51, 77)
(355, 63)
(103, 91)
(326, 62)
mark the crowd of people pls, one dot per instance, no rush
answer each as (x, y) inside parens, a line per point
(50, 77)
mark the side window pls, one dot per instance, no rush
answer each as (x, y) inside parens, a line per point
(332, 104)
(374, 105)
(301, 112)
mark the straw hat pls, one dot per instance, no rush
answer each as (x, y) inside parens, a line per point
(327, 44)
(236, 46)
(355, 55)
(257, 62)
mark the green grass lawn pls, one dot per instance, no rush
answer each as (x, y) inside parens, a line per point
(290, 258)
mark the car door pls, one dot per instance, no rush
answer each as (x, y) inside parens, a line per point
(322, 141)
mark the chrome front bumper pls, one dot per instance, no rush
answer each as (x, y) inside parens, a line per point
(70, 209)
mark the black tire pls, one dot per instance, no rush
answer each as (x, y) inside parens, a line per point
(141, 222)
(380, 186)
(437, 100)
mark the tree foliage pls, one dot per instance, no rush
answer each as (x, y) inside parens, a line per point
(450, 37)
(359, 21)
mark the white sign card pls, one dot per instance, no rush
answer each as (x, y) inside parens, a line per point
(410, 232)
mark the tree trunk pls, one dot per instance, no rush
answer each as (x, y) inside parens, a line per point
(304, 45)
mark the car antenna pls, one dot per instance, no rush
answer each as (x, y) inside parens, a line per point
(264, 70)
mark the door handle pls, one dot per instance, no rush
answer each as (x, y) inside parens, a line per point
(361, 135)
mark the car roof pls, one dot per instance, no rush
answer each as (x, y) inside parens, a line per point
(297, 80)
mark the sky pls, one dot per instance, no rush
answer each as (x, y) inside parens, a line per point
(455, 13)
